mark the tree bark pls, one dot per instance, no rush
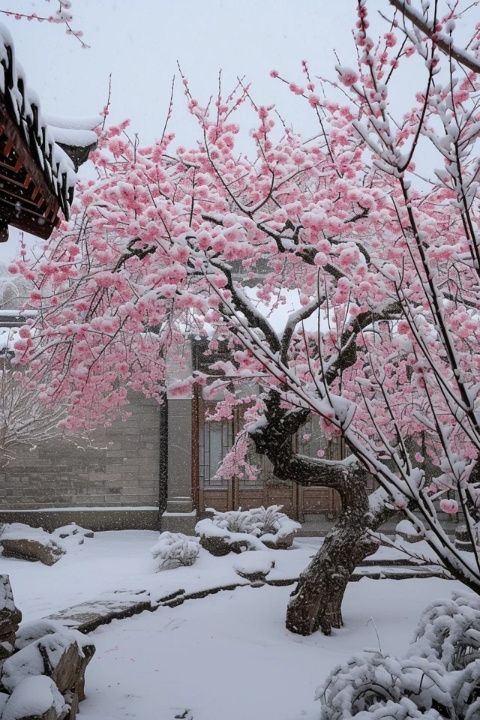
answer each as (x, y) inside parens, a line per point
(317, 600)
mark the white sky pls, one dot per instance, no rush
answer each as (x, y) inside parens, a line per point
(140, 41)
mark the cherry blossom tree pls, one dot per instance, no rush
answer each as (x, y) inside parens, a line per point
(61, 15)
(379, 259)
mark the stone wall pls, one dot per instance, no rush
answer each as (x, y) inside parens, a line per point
(121, 471)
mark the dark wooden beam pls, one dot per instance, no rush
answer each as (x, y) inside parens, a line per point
(34, 210)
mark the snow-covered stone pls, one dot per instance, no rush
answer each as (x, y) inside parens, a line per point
(173, 550)
(35, 698)
(10, 617)
(239, 530)
(253, 567)
(408, 532)
(73, 532)
(31, 631)
(463, 539)
(22, 541)
(59, 655)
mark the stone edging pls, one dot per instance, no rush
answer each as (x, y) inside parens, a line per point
(88, 616)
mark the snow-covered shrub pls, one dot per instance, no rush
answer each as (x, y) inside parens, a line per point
(238, 530)
(438, 679)
(449, 631)
(173, 550)
(465, 688)
(372, 685)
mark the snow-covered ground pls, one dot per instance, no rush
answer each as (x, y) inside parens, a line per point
(224, 656)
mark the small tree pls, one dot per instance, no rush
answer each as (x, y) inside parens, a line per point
(25, 421)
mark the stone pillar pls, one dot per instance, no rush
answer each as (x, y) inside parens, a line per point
(180, 514)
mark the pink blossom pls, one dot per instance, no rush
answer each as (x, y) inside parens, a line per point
(449, 506)
(348, 76)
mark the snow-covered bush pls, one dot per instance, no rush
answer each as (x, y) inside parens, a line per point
(449, 631)
(438, 679)
(173, 550)
(386, 687)
(256, 529)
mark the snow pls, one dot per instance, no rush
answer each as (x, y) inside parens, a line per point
(33, 697)
(232, 652)
(231, 647)
(250, 563)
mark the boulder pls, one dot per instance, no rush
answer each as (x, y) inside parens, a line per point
(35, 698)
(73, 530)
(62, 656)
(253, 568)
(462, 538)
(408, 532)
(26, 543)
(219, 546)
(29, 632)
(10, 617)
(3, 701)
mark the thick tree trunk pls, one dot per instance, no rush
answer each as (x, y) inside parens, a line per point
(317, 600)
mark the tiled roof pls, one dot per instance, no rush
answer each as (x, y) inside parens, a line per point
(57, 147)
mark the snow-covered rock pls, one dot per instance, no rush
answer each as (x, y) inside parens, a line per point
(59, 655)
(407, 531)
(239, 530)
(29, 632)
(253, 567)
(10, 617)
(73, 530)
(35, 697)
(27, 543)
(173, 550)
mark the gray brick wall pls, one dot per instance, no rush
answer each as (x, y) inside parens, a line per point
(122, 469)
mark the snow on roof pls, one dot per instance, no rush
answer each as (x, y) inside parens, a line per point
(57, 147)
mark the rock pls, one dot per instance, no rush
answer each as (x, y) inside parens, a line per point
(253, 568)
(3, 701)
(62, 656)
(73, 530)
(32, 631)
(462, 538)
(116, 605)
(26, 543)
(72, 700)
(35, 698)
(10, 618)
(408, 532)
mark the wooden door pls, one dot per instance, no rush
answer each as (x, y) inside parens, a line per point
(215, 439)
